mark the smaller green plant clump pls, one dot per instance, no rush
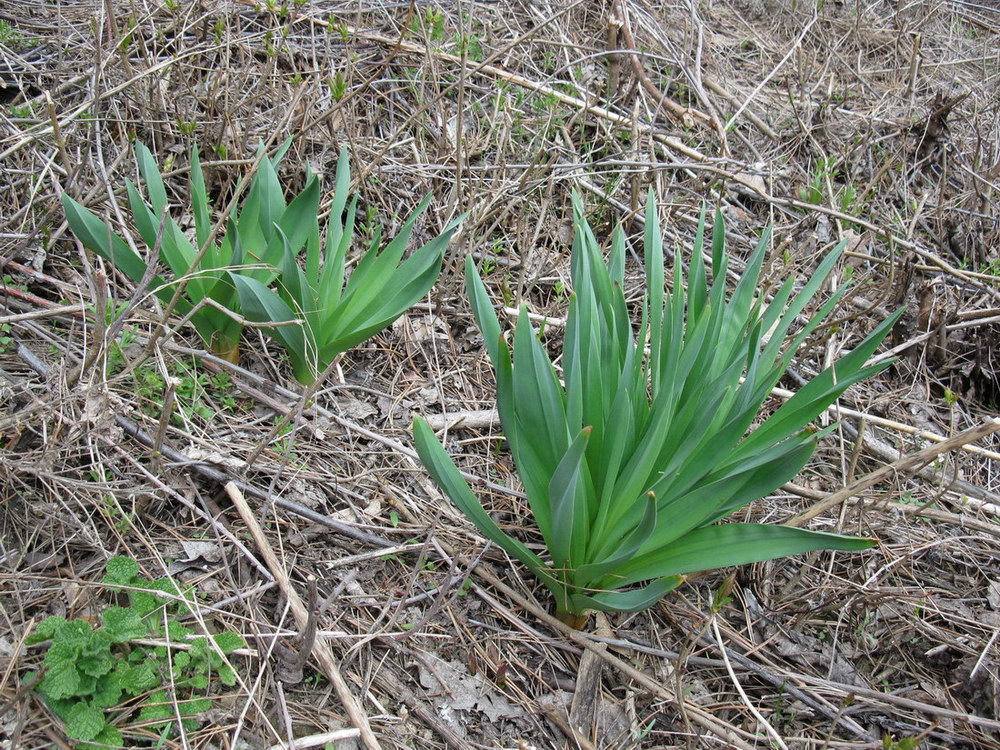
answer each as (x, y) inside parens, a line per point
(319, 314)
(91, 668)
(315, 314)
(253, 243)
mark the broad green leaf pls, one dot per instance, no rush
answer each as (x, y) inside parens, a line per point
(627, 601)
(733, 544)
(568, 501)
(261, 305)
(84, 722)
(199, 204)
(151, 176)
(123, 624)
(482, 308)
(97, 237)
(625, 548)
(444, 472)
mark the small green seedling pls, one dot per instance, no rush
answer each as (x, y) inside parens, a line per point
(89, 669)
(630, 465)
(319, 316)
(264, 228)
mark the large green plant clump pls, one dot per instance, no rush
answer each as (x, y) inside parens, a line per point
(629, 466)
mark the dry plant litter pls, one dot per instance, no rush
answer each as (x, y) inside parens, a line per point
(373, 613)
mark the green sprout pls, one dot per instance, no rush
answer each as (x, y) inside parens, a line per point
(630, 465)
(316, 315)
(264, 228)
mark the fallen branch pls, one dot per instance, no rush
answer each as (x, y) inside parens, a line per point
(906, 464)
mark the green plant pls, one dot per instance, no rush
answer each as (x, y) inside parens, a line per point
(889, 742)
(629, 466)
(91, 668)
(338, 86)
(264, 228)
(20, 113)
(319, 316)
(11, 36)
(814, 191)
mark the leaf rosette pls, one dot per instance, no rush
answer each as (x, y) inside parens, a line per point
(632, 460)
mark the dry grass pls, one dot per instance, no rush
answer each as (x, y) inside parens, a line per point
(876, 120)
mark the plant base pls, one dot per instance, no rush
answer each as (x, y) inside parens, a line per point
(577, 621)
(228, 352)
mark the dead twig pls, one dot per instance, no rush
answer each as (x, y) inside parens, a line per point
(320, 649)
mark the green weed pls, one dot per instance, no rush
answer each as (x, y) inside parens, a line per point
(90, 668)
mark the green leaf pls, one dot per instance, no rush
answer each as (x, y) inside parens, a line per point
(195, 706)
(109, 738)
(95, 658)
(97, 237)
(61, 679)
(482, 308)
(46, 629)
(227, 675)
(85, 722)
(228, 642)
(627, 601)
(121, 571)
(138, 678)
(123, 624)
(568, 502)
(733, 544)
(107, 691)
(261, 305)
(444, 472)
(199, 202)
(157, 710)
(177, 632)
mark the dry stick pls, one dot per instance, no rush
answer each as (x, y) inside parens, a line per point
(587, 693)
(774, 70)
(492, 71)
(215, 474)
(895, 700)
(761, 125)
(47, 313)
(739, 689)
(701, 716)
(970, 494)
(418, 705)
(679, 147)
(321, 649)
(660, 98)
(906, 509)
(318, 740)
(36, 133)
(905, 464)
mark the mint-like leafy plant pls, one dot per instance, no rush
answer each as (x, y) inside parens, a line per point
(320, 316)
(264, 228)
(629, 467)
(89, 669)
